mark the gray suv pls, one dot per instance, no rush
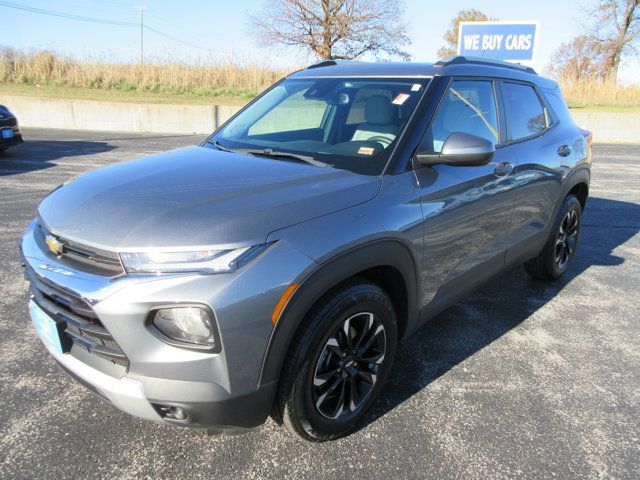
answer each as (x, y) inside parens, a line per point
(273, 269)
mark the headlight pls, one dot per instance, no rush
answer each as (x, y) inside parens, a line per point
(192, 326)
(201, 261)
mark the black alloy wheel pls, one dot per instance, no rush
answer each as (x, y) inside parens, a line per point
(348, 366)
(559, 250)
(338, 362)
(567, 238)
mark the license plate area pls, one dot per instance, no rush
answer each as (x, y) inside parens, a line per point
(51, 331)
(7, 133)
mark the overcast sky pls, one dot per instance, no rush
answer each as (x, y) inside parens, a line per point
(216, 29)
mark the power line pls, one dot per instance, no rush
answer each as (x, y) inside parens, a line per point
(158, 32)
(83, 7)
(67, 15)
(174, 27)
(107, 22)
(122, 4)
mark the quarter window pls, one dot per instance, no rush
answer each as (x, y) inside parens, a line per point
(525, 114)
(469, 107)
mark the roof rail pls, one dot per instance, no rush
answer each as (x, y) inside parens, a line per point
(333, 63)
(462, 60)
(324, 63)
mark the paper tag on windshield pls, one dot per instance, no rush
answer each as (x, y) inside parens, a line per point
(400, 99)
(366, 151)
(415, 87)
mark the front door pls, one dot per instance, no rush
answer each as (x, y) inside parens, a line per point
(467, 210)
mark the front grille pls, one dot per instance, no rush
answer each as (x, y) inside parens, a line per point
(8, 122)
(83, 257)
(82, 326)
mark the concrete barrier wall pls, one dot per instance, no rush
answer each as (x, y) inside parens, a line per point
(116, 116)
(608, 127)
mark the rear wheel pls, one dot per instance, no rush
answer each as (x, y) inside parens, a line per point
(338, 363)
(556, 256)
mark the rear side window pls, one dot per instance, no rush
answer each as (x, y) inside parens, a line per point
(525, 114)
(469, 106)
(559, 107)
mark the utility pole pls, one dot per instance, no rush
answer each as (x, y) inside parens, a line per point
(142, 9)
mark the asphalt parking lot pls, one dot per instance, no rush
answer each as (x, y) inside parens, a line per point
(520, 380)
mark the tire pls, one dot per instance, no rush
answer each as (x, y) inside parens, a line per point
(315, 400)
(556, 256)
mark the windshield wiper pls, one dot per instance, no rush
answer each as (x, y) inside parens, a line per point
(217, 145)
(269, 152)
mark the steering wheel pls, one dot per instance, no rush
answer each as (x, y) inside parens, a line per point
(380, 139)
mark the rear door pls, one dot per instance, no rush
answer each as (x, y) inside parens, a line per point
(467, 210)
(541, 154)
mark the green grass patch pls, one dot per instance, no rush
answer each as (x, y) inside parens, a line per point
(127, 92)
(606, 108)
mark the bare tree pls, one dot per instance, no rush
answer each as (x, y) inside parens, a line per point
(583, 58)
(334, 29)
(451, 35)
(615, 24)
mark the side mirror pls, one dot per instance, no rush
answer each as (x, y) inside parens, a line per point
(460, 149)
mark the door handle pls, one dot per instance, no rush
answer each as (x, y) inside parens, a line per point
(503, 169)
(564, 150)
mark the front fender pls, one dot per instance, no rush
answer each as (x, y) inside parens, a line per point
(390, 252)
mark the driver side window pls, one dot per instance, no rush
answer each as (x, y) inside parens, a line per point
(469, 107)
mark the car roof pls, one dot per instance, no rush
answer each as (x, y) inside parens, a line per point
(454, 66)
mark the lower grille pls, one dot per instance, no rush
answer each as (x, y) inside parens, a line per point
(82, 326)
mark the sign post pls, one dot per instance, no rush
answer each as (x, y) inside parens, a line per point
(506, 41)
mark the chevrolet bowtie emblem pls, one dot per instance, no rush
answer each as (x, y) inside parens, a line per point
(55, 245)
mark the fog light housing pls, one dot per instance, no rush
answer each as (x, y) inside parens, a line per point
(172, 412)
(186, 326)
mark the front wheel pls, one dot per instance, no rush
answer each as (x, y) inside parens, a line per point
(339, 362)
(556, 256)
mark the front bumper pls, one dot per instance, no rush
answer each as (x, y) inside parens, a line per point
(219, 391)
(217, 414)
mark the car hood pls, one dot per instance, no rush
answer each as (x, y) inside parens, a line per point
(197, 196)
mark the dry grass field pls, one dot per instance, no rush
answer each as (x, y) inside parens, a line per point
(601, 94)
(48, 74)
(50, 70)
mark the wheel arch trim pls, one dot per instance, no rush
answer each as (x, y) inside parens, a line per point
(578, 176)
(379, 253)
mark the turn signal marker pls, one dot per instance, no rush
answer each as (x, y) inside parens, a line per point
(286, 295)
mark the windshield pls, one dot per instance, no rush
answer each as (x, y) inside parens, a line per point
(351, 124)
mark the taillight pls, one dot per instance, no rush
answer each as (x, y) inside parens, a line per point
(587, 135)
